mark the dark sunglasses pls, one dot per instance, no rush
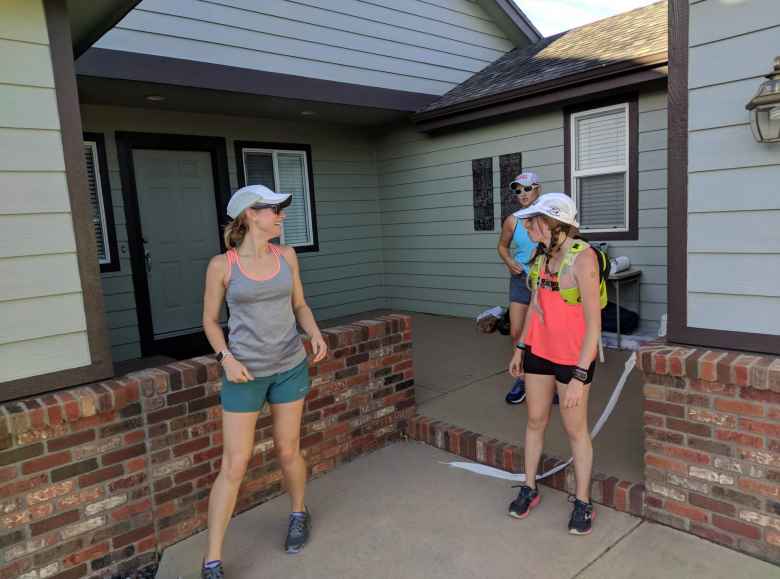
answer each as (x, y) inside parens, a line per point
(524, 189)
(277, 209)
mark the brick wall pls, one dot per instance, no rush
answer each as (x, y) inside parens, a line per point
(712, 442)
(95, 481)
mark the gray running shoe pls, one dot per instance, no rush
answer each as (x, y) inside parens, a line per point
(298, 532)
(212, 572)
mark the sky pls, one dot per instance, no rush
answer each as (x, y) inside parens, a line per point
(553, 16)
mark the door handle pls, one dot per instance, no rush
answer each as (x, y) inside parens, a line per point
(147, 255)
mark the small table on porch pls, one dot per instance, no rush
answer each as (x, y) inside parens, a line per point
(629, 276)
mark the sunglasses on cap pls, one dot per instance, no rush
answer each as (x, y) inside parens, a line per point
(524, 189)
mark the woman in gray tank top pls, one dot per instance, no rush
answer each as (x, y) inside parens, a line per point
(264, 359)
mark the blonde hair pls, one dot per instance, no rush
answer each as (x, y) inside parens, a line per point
(235, 231)
(558, 234)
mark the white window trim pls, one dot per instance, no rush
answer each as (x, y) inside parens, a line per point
(601, 170)
(100, 198)
(273, 152)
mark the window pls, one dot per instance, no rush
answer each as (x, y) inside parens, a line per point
(601, 168)
(100, 201)
(285, 169)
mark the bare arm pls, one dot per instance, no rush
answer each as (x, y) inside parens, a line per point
(301, 309)
(213, 297)
(586, 272)
(507, 232)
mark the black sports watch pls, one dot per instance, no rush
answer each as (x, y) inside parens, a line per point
(580, 374)
(223, 354)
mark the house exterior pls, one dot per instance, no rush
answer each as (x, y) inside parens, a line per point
(713, 388)
(397, 126)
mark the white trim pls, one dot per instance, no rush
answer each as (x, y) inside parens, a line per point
(575, 174)
(99, 195)
(307, 192)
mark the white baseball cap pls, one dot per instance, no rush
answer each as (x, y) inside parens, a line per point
(255, 195)
(525, 180)
(559, 206)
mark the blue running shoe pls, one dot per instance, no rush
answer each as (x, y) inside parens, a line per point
(517, 394)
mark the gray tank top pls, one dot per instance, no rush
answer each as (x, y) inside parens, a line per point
(263, 334)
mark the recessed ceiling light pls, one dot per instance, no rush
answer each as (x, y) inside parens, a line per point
(155, 98)
(308, 113)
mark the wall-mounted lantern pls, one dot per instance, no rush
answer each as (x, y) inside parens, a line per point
(765, 108)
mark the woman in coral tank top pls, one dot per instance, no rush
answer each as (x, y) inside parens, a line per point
(557, 350)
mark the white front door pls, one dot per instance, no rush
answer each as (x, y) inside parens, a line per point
(180, 233)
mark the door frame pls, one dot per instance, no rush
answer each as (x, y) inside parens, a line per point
(190, 344)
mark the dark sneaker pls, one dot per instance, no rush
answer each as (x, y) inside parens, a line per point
(298, 532)
(517, 394)
(212, 571)
(526, 500)
(581, 521)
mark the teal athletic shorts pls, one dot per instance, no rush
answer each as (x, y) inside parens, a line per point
(277, 388)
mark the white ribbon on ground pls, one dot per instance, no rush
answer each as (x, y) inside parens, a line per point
(605, 414)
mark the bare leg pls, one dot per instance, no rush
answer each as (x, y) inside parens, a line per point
(238, 430)
(516, 319)
(539, 394)
(287, 439)
(575, 422)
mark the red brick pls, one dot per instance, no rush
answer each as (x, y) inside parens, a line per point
(7, 473)
(712, 505)
(736, 527)
(71, 440)
(54, 523)
(758, 487)
(739, 407)
(739, 438)
(101, 475)
(664, 408)
(688, 427)
(46, 462)
(749, 393)
(654, 420)
(123, 454)
(712, 534)
(686, 511)
(766, 428)
(666, 464)
(191, 446)
(713, 388)
(135, 464)
(134, 437)
(132, 536)
(92, 552)
(686, 455)
(127, 511)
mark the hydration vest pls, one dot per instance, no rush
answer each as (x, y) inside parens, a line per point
(572, 295)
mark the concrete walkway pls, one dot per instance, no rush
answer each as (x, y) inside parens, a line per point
(400, 514)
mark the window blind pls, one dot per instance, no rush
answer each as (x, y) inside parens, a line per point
(601, 140)
(284, 172)
(602, 201)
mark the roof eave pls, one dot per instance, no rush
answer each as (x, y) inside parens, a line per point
(652, 61)
(512, 20)
(90, 21)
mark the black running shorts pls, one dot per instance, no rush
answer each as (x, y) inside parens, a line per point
(533, 364)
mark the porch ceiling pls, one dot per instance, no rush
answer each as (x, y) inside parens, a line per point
(106, 91)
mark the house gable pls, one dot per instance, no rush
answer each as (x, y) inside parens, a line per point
(411, 46)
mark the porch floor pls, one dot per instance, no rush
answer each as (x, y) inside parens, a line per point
(400, 513)
(461, 378)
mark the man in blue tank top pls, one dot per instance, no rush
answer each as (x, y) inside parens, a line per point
(516, 249)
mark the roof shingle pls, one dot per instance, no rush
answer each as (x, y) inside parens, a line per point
(619, 39)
